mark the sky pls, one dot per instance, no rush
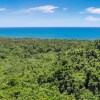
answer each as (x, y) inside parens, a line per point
(49, 13)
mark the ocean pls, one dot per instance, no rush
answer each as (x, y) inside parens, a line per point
(81, 33)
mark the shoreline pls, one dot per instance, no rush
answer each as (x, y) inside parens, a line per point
(48, 38)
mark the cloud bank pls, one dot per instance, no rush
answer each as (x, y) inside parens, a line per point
(43, 9)
(92, 19)
(93, 10)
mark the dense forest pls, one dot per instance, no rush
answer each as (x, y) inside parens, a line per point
(49, 69)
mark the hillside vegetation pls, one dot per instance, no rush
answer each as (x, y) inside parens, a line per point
(49, 69)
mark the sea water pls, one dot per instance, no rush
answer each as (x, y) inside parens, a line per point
(52, 32)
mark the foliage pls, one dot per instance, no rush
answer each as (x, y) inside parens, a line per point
(49, 69)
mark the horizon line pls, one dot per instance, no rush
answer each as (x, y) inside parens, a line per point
(53, 27)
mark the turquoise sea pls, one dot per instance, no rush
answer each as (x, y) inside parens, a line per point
(55, 33)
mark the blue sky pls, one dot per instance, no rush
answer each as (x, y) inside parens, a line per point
(49, 13)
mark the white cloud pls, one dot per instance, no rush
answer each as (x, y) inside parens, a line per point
(81, 12)
(93, 10)
(92, 19)
(64, 9)
(43, 9)
(2, 9)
